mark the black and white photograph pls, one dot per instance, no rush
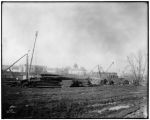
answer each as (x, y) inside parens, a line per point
(74, 59)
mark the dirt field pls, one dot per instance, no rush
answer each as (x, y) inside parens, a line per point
(77, 102)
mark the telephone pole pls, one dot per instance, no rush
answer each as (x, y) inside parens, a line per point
(99, 71)
(27, 66)
(36, 34)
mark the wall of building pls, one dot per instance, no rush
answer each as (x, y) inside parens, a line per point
(16, 75)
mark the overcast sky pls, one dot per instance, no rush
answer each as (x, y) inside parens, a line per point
(84, 33)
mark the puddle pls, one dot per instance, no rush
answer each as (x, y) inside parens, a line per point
(99, 111)
(112, 103)
(96, 105)
(101, 104)
(111, 108)
(119, 107)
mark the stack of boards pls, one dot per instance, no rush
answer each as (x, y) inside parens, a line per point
(57, 81)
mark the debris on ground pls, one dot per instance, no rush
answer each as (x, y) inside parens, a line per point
(11, 109)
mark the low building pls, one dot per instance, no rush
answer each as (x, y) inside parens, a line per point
(13, 75)
(51, 70)
(13, 68)
(77, 71)
(38, 69)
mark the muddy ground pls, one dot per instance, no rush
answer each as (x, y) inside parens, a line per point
(77, 102)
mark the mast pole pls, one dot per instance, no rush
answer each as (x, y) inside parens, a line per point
(27, 66)
(36, 34)
(99, 71)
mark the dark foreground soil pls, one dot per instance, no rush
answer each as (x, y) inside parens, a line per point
(77, 102)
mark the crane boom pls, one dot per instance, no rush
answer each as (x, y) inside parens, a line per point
(15, 62)
(109, 66)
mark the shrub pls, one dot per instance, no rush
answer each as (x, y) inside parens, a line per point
(111, 82)
(77, 84)
(126, 82)
(104, 82)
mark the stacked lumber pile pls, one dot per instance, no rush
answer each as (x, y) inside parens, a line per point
(9, 81)
(49, 80)
(56, 80)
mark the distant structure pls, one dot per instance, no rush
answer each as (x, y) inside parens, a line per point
(14, 75)
(51, 70)
(75, 70)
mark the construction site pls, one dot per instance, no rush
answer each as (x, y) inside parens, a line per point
(74, 94)
(74, 78)
(74, 60)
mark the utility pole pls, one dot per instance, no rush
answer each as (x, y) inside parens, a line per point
(99, 71)
(36, 34)
(27, 64)
(27, 67)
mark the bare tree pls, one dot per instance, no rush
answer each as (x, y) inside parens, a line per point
(138, 67)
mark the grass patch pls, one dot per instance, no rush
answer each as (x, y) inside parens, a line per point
(63, 108)
(63, 103)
